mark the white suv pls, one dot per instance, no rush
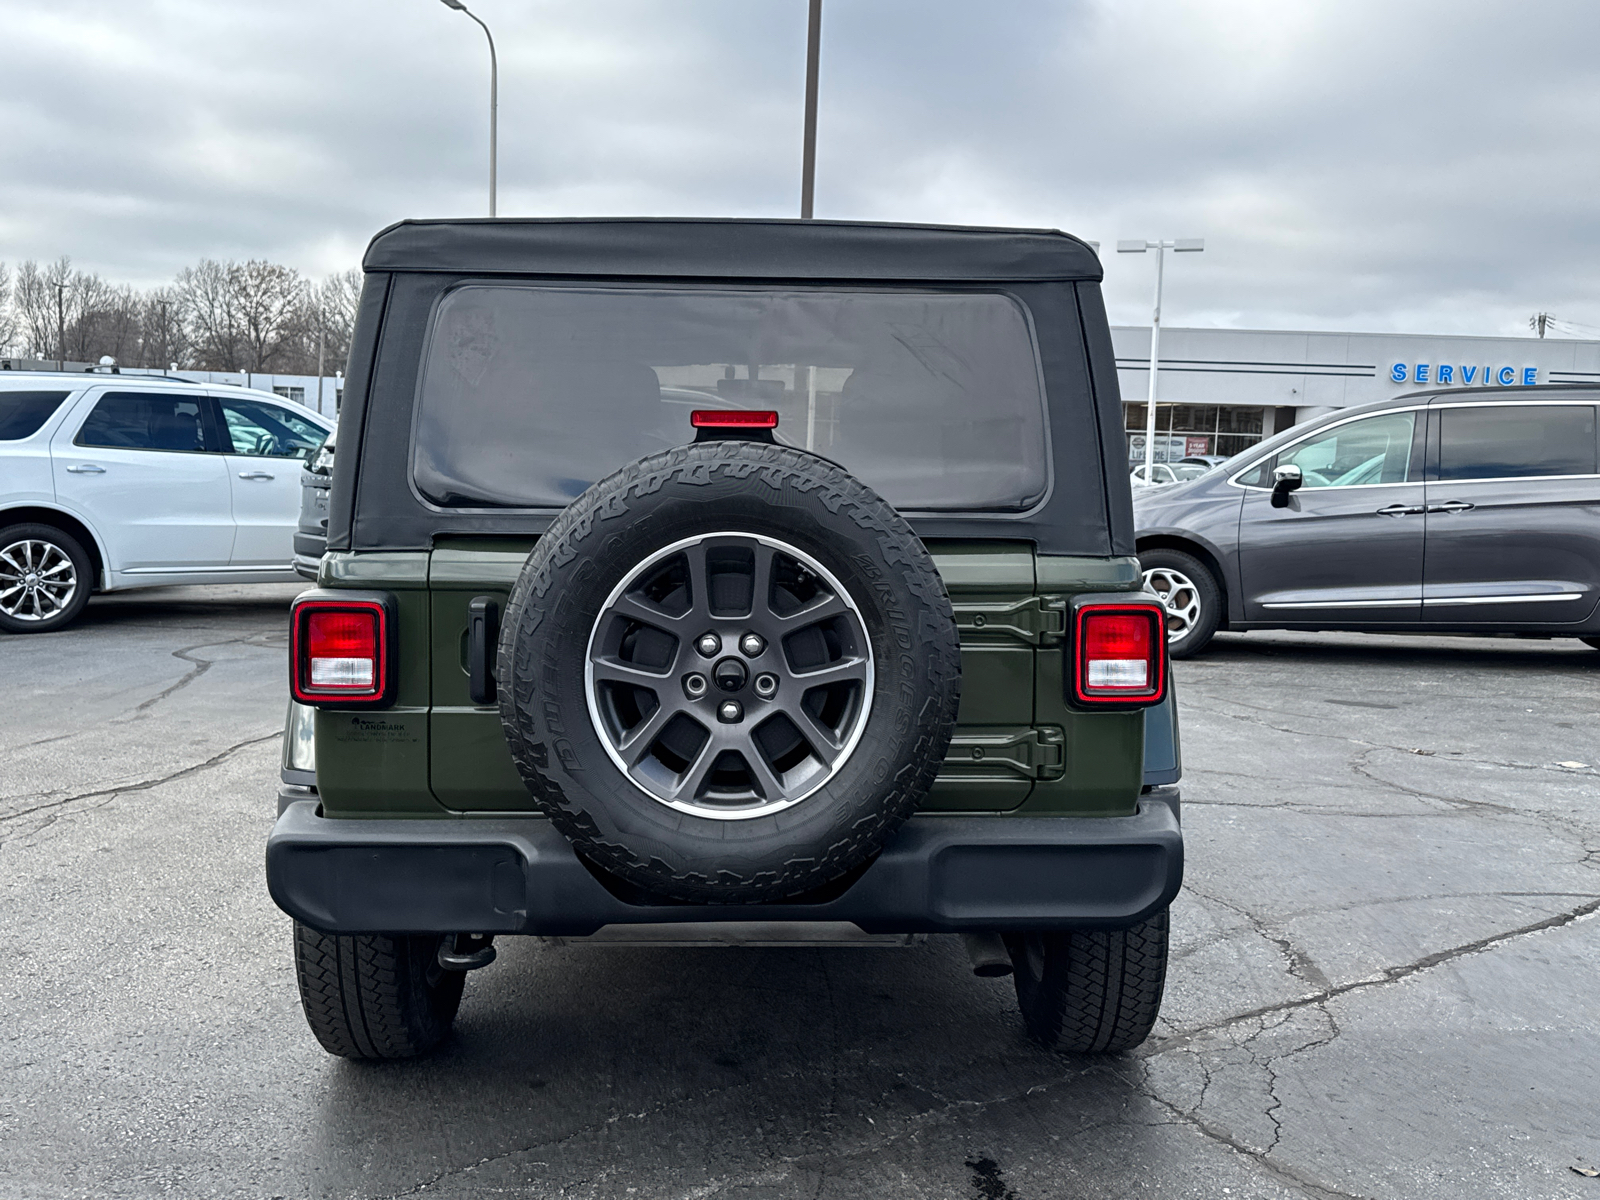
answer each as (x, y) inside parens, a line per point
(122, 481)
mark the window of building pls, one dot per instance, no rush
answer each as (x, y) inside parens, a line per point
(1189, 429)
(1516, 441)
(297, 394)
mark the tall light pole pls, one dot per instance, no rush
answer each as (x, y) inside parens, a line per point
(494, 94)
(808, 154)
(1180, 246)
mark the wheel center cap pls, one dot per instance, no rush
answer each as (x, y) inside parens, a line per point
(730, 674)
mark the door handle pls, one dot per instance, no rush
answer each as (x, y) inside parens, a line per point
(87, 469)
(255, 474)
(1400, 510)
(1452, 506)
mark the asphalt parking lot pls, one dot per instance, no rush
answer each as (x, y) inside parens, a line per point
(1385, 981)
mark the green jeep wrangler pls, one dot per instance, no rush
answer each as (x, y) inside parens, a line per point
(728, 581)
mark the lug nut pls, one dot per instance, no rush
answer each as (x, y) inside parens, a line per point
(730, 711)
(751, 644)
(766, 686)
(694, 686)
(708, 644)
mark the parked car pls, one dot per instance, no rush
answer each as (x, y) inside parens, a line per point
(1468, 510)
(596, 657)
(1161, 474)
(1203, 460)
(311, 533)
(109, 482)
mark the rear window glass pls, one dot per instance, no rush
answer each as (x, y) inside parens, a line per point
(531, 394)
(144, 421)
(22, 413)
(1516, 441)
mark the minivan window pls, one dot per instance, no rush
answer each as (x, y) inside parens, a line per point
(1375, 449)
(22, 413)
(1516, 441)
(145, 421)
(530, 394)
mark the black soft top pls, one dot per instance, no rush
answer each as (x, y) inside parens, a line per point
(731, 248)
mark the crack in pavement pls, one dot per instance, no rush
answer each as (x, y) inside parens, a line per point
(142, 785)
(1453, 756)
(1388, 975)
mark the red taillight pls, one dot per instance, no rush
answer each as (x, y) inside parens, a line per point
(1120, 654)
(338, 652)
(732, 418)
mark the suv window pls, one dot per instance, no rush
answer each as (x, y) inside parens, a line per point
(22, 413)
(1516, 441)
(530, 394)
(268, 431)
(1375, 449)
(145, 421)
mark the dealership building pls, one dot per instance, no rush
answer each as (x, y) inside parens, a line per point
(1219, 391)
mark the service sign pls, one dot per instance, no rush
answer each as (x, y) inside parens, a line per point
(1452, 374)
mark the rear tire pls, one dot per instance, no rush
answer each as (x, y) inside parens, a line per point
(45, 578)
(1191, 595)
(1091, 991)
(374, 996)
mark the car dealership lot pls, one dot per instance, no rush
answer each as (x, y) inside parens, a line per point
(1385, 979)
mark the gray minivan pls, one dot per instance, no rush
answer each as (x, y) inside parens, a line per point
(1467, 510)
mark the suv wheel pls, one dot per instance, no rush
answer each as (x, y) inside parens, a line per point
(728, 673)
(371, 995)
(1091, 992)
(45, 578)
(1190, 594)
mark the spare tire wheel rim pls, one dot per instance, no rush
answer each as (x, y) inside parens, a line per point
(1179, 596)
(729, 675)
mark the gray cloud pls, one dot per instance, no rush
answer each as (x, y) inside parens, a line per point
(1352, 164)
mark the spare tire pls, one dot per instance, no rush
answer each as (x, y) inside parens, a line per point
(728, 672)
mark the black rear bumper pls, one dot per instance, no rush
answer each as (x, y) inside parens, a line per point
(519, 875)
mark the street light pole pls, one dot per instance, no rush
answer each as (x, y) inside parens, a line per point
(494, 96)
(808, 155)
(1180, 245)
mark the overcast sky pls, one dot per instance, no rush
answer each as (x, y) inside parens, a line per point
(1352, 164)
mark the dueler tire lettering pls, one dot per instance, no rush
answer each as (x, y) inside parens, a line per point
(763, 491)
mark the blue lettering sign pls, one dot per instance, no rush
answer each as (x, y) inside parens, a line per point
(1398, 372)
(1422, 372)
(1467, 374)
(1506, 377)
(1530, 376)
(1445, 373)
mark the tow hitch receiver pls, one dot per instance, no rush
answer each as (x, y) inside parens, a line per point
(466, 951)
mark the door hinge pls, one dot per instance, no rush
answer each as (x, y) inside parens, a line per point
(1037, 753)
(1038, 620)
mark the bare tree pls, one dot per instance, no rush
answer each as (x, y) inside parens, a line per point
(333, 317)
(210, 309)
(35, 303)
(162, 341)
(8, 312)
(271, 298)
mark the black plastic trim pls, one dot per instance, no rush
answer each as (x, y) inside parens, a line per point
(518, 875)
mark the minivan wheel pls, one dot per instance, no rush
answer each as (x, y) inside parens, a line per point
(1091, 991)
(374, 995)
(45, 578)
(1189, 593)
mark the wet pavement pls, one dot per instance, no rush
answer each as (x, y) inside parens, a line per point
(1385, 980)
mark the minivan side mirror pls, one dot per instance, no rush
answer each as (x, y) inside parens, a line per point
(1285, 479)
